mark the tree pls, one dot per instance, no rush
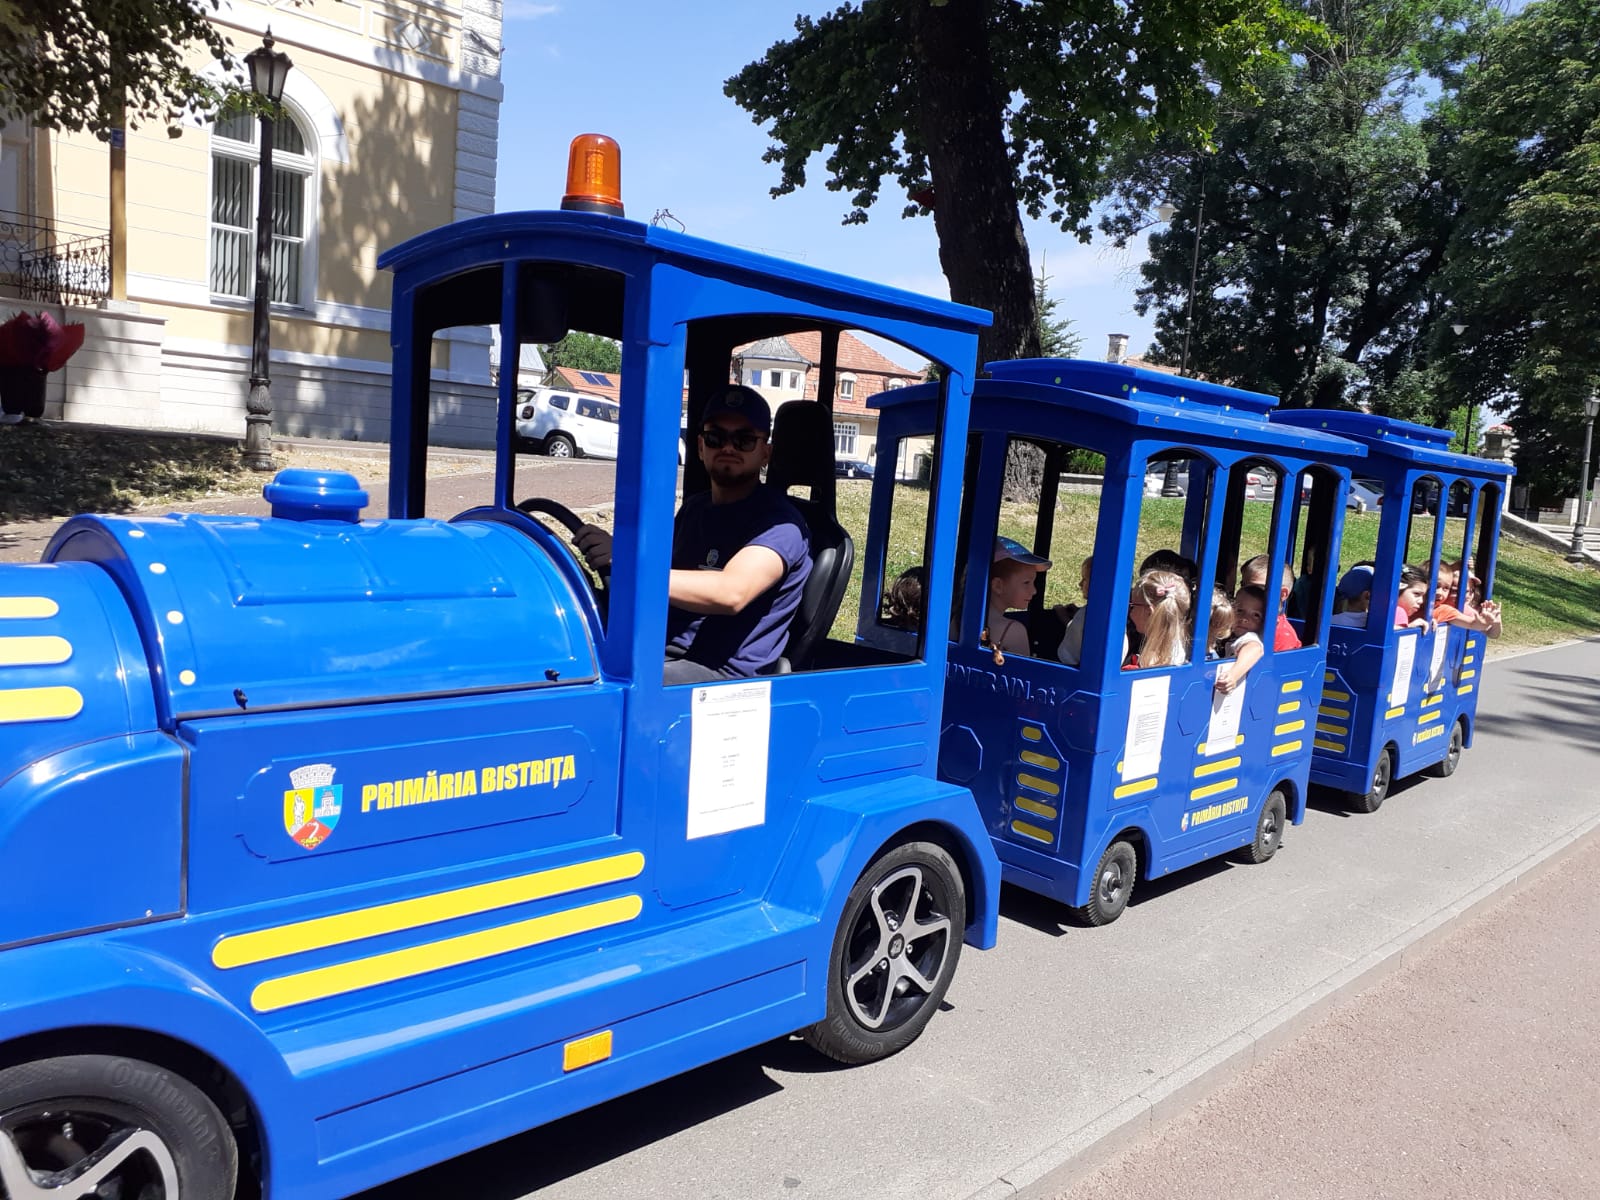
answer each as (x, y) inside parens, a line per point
(1057, 339)
(583, 352)
(1321, 215)
(983, 109)
(1524, 265)
(99, 65)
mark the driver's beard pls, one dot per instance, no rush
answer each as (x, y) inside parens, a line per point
(729, 476)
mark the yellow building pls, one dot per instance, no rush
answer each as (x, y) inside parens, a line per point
(391, 127)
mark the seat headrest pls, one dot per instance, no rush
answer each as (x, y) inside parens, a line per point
(802, 451)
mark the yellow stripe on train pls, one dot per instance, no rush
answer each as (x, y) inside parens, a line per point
(340, 929)
(359, 974)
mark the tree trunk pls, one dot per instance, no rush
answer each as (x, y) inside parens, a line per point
(982, 247)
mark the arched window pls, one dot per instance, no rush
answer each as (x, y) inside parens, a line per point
(235, 158)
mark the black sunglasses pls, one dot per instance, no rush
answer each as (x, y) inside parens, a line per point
(744, 440)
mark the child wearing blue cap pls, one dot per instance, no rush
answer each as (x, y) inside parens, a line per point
(1012, 573)
(1354, 597)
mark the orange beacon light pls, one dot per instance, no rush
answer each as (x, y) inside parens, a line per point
(594, 175)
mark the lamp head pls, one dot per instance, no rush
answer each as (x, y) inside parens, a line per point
(1457, 328)
(1591, 406)
(269, 69)
(1166, 210)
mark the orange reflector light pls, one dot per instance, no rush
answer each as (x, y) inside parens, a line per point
(594, 175)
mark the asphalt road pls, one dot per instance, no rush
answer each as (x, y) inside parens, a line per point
(1063, 1039)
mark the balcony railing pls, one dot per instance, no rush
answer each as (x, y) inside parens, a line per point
(50, 263)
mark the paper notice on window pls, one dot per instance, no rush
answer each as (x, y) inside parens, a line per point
(1404, 660)
(1441, 642)
(1147, 726)
(1223, 731)
(729, 728)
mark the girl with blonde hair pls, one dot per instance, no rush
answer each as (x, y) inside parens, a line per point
(1159, 610)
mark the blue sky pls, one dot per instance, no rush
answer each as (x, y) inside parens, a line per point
(651, 75)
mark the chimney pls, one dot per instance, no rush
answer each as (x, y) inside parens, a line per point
(1117, 350)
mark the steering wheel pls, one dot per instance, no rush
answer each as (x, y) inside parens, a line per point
(572, 523)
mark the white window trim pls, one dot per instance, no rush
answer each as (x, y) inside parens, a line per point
(846, 431)
(311, 162)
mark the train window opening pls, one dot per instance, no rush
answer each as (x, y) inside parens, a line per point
(1249, 507)
(1167, 617)
(1455, 557)
(1040, 571)
(1481, 569)
(1311, 553)
(1422, 528)
(836, 482)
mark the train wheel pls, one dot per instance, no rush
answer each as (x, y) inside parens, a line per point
(1382, 777)
(97, 1125)
(1446, 766)
(894, 954)
(1269, 828)
(1113, 885)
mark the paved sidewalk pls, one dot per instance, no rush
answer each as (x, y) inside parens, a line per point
(1471, 1073)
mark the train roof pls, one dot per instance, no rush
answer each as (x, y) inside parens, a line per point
(431, 260)
(1390, 437)
(1171, 406)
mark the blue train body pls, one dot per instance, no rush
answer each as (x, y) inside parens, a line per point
(1397, 701)
(381, 833)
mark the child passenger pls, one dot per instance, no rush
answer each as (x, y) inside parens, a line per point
(902, 607)
(1011, 584)
(1071, 648)
(1221, 627)
(1408, 612)
(1246, 648)
(1159, 610)
(1354, 597)
(1254, 574)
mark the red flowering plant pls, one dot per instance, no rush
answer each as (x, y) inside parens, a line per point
(31, 346)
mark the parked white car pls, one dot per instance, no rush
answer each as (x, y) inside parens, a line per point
(567, 424)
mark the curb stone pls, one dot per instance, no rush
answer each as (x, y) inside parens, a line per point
(1057, 1168)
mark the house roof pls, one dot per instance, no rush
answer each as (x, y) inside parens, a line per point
(595, 383)
(854, 354)
(774, 349)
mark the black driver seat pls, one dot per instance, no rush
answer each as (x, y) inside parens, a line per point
(802, 455)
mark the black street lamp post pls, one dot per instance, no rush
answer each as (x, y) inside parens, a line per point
(269, 69)
(1468, 442)
(1591, 408)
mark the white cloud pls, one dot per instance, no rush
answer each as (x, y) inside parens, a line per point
(527, 10)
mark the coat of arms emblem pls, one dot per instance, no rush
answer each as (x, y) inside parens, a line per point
(312, 805)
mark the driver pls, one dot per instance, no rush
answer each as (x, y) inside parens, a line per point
(740, 552)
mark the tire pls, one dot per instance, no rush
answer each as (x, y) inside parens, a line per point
(1113, 885)
(559, 445)
(1269, 828)
(154, 1134)
(884, 987)
(1382, 776)
(1446, 766)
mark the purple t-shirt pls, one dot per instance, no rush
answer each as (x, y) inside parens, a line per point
(706, 536)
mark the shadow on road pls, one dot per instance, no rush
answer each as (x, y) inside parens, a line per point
(529, 1161)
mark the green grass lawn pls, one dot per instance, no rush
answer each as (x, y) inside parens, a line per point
(1543, 598)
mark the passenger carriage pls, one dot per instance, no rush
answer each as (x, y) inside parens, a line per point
(1398, 701)
(1089, 776)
